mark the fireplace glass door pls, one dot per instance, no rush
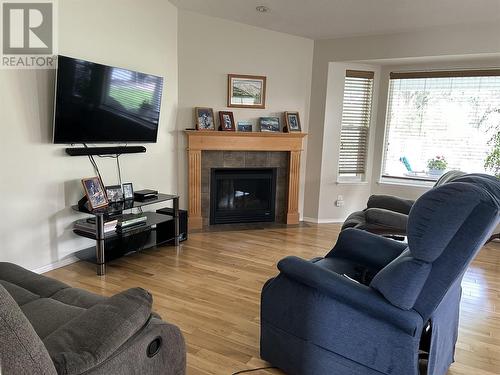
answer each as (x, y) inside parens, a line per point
(242, 195)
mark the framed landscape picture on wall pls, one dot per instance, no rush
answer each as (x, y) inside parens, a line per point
(245, 91)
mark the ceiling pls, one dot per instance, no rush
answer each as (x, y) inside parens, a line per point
(322, 19)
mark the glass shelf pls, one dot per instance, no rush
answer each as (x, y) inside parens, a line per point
(117, 207)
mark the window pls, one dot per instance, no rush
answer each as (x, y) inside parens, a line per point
(439, 121)
(356, 115)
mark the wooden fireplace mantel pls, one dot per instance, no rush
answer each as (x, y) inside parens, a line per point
(199, 141)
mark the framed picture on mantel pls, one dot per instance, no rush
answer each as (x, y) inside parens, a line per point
(269, 124)
(245, 91)
(292, 122)
(226, 121)
(205, 119)
(245, 126)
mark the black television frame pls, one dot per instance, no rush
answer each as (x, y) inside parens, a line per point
(107, 141)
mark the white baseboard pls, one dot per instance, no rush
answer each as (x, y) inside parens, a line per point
(322, 221)
(60, 263)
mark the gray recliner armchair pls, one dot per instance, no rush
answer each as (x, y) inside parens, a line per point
(47, 327)
(388, 215)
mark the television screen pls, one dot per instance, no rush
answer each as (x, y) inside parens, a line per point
(102, 104)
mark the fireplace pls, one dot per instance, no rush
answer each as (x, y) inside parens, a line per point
(242, 195)
(207, 150)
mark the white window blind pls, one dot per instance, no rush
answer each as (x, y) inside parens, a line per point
(356, 114)
(440, 115)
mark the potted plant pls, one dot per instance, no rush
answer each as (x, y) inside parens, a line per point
(492, 162)
(437, 165)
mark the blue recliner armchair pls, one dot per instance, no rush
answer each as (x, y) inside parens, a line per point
(372, 305)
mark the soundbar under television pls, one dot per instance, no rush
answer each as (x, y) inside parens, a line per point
(97, 103)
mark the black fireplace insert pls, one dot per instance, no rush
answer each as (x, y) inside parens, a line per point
(242, 195)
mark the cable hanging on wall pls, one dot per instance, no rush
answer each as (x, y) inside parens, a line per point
(96, 167)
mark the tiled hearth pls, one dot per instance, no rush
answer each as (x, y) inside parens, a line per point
(212, 149)
(245, 159)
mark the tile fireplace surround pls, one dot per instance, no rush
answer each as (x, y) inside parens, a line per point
(281, 150)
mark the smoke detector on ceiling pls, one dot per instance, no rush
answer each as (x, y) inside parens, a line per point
(262, 9)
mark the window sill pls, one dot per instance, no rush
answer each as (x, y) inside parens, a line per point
(351, 182)
(405, 182)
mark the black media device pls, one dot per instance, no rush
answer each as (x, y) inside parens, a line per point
(97, 103)
(84, 151)
(183, 223)
(144, 195)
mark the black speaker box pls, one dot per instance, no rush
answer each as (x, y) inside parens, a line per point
(183, 223)
(117, 150)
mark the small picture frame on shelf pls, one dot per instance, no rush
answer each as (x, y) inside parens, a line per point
(128, 191)
(246, 91)
(292, 122)
(94, 192)
(245, 126)
(269, 124)
(226, 121)
(205, 119)
(114, 193)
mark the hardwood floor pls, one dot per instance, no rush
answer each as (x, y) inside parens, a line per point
(210, 287)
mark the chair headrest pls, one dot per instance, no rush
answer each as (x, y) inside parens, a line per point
(448, 177)
(437, 215)
(488, 182)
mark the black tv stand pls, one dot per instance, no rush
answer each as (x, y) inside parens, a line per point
(116, 150)
(153, 233)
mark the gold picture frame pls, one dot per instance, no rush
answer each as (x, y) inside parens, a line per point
(205, 119)
(246, 91)
(292, 122)
(95, 193)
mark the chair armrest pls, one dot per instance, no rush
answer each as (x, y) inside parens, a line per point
(21, 350)
(386, 218)
(351, 293)
(366, 248)
(391, 203)
(92, 337)
(136, 358)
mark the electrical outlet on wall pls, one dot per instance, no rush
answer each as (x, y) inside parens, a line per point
(340, 201)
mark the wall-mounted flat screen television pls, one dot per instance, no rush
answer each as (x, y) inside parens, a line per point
(97, 103)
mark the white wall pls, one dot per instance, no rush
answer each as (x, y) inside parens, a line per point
(211, 48)
(330, 187)
(38, 181)
(438, 43)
